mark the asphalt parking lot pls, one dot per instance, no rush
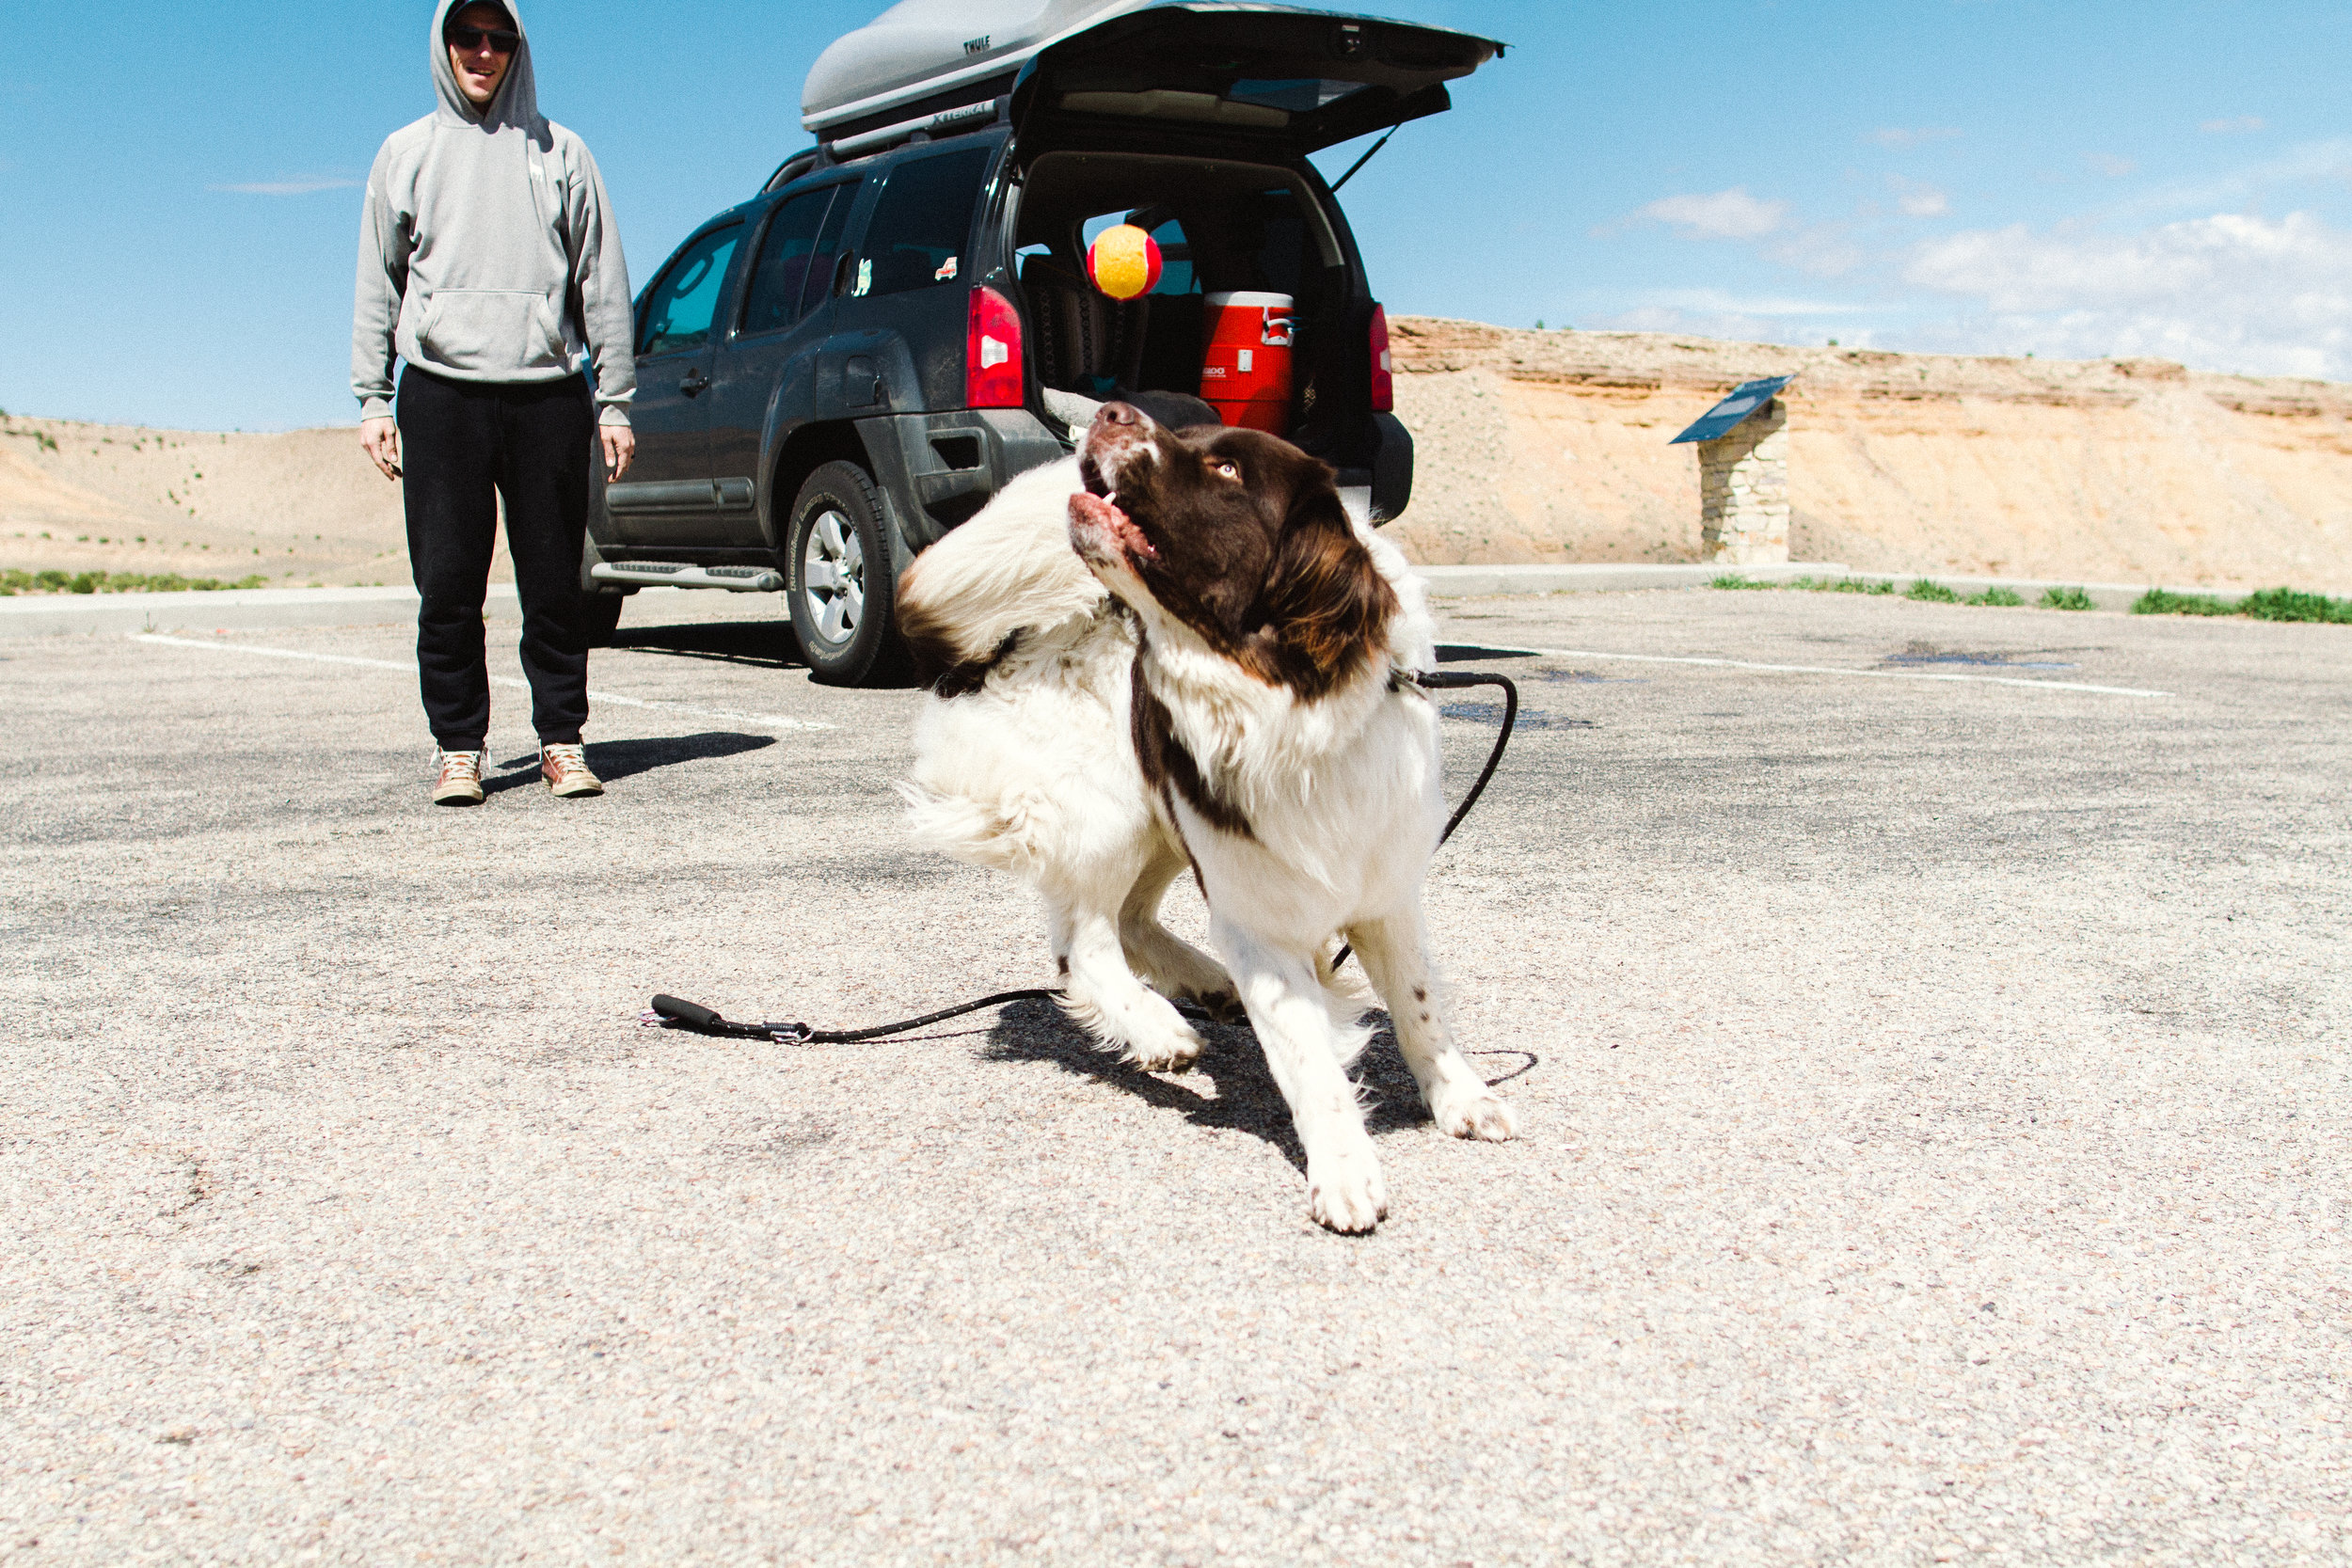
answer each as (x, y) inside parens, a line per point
(1935, 1095)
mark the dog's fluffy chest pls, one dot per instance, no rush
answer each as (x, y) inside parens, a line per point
(1339, 793)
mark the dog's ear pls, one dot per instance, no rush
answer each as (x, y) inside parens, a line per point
(1326, 607)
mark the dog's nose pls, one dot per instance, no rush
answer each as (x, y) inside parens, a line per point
(1118, 414)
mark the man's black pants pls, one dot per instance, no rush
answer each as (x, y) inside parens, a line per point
(462, 444)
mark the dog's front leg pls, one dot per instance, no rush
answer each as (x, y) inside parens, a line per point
(1106, 998)
(1395, 955)
(1285, 1007)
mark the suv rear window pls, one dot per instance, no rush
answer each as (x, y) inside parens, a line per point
(917, 236)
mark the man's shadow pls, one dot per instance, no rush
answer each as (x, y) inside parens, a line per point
(611, 760)
(1243, 1095)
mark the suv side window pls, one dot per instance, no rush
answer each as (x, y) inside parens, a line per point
(916, 235)
(680, 307)
(773, 300)
(826, 260)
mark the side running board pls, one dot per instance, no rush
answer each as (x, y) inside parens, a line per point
(667, 574)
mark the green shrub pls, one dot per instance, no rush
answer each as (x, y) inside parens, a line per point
(1931, 593)
(1855, 585)
(2005, 597)
(2286, 604)
(1733, 579)
(2163, 601)
(2065, 598)
(14, 581)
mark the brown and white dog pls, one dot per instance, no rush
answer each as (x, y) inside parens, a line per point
(1200, 657)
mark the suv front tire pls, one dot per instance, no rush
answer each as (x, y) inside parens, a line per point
(841, 579)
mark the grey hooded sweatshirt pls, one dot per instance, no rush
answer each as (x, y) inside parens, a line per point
(488, 250)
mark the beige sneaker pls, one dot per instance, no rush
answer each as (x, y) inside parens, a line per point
(566, 769)
(457, 779)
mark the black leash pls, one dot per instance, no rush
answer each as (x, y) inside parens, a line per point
(1439, 680)
(674, 1012)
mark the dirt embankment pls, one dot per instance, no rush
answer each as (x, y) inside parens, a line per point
(300, 507)
(1552, 445)
(1532, 446)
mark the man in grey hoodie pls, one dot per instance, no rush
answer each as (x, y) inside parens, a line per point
(490, 264)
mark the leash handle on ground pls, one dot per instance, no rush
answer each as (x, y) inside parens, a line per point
(676, 1012)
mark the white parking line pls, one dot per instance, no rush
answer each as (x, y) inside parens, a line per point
(777, 720)
(1831, 670)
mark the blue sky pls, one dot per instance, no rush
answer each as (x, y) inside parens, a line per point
(179, 185)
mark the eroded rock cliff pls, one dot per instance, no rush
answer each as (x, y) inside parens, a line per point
(1552, 445)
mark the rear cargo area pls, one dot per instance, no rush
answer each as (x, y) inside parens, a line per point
(1221, 226)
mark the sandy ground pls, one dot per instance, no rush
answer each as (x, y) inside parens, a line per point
(1935, 1094)
(1531, 447)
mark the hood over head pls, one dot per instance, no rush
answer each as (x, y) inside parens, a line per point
(517, 103)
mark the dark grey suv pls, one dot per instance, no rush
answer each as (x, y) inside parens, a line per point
(837, 372)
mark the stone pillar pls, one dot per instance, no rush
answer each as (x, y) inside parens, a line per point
(1743, 492)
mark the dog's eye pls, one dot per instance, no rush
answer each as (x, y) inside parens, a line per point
(1227, 470)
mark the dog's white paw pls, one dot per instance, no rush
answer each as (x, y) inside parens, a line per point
(1344, 1192)
(1475, 1113)
(1171, 1050)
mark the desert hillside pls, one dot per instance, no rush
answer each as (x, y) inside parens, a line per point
(1533, 447)
(1552, 445)
(298, 507)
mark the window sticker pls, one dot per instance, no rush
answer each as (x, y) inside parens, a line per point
(946, 270)
(865, 278)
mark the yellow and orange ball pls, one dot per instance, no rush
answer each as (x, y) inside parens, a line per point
(1124, 261)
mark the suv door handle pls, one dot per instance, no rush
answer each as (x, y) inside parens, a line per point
(695, 381)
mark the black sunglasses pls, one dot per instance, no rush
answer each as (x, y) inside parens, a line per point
(501, 40)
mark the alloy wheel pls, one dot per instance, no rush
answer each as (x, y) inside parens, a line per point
(833, 575)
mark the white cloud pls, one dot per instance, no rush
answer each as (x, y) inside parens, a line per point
(1899, 136)
(1822, 252)
(1732, 214)
(1919, 199)
(2230, 292)
(2109, 165)
(2242, 125)
(300, 186)
(2308, 163)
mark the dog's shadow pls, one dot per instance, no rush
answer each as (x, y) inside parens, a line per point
(1240, 1092)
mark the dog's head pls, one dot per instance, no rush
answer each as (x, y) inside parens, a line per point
(1237, 535)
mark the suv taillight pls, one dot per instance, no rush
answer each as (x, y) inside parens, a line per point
(992, 351)
(1383, 377)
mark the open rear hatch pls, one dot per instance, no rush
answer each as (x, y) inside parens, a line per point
(1271, 82)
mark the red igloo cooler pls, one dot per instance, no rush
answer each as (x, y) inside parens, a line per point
(1245, 368)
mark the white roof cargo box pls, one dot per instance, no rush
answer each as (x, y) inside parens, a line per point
(927, 54)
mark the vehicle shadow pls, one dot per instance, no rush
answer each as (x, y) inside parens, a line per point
(769, 645)
(1229, 1087)
(612, 760)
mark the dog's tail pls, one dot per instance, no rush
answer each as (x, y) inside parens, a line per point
(965, 829)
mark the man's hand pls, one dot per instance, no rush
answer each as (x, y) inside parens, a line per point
(620, 447)
(381, 439)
